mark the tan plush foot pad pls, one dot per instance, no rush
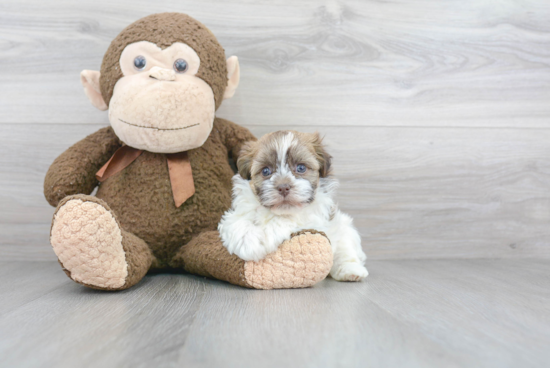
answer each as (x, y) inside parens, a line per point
(87, 239)
(302, 261)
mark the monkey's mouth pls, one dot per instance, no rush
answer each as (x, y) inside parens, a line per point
(146, 127)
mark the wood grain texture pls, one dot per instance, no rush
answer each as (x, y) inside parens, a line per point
(414, 192)
(23, 282)
(355, 62)
(93, 328)
(422, 313)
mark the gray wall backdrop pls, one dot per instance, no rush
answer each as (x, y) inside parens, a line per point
(437, 112)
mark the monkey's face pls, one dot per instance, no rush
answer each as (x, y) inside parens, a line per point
(159, 104)
(162, 79)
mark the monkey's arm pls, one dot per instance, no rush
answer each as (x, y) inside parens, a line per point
(73, 172)
(233, 136)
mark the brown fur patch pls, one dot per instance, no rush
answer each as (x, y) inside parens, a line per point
(316, 143)
(244, 163)
(205, 255)
(163, 30)
(302, 153)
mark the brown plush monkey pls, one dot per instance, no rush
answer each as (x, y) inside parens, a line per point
(162, 169)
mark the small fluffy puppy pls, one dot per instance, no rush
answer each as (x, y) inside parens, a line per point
(283, 186)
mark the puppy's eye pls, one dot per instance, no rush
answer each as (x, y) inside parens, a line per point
(140, 62)
(300, 169)
(180, 66)
(266, 171)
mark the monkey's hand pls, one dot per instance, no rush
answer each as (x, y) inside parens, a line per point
(73, 172)
(233, 136)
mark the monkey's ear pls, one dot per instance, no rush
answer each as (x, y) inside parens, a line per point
(325, 160)
(233, 75)
(244, 162)
(90, 81)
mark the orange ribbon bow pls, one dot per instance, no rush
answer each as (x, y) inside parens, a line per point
(179, 168)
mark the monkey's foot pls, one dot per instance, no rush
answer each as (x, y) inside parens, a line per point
(302, 261)
(93, 249)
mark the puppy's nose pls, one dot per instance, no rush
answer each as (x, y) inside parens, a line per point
(162, 74)
(284, 189)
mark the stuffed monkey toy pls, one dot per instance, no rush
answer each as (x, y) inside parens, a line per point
(162, 169)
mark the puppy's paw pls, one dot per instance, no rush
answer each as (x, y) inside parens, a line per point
(249, 248)
(251, 253)
(349, 272)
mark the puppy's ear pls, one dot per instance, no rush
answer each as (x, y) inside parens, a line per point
(244, 162)
(325, 160)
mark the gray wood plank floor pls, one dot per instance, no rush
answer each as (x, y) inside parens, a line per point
(408, 313)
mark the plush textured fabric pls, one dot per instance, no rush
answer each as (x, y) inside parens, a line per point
(90, 82)
(150, 113)
(85, 233)
(138, 257)
(163, 30)
(206, 256)
(73, 172)
(92, 248)
(302, 261)
(141, 195)
(179, 168)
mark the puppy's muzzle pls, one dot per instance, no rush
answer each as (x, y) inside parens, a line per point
(283, 189)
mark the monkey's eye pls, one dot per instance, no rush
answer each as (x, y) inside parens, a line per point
(266, 171)
(180, 66)
(301, 168)
(140, 62)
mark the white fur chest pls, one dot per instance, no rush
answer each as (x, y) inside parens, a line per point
(249, 225)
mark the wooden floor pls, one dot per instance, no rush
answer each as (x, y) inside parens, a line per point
(411, 313)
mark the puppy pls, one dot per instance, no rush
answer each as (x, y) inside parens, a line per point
(283, 186)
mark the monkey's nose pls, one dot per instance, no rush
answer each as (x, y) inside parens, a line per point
(162, 74)
(283, 189)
